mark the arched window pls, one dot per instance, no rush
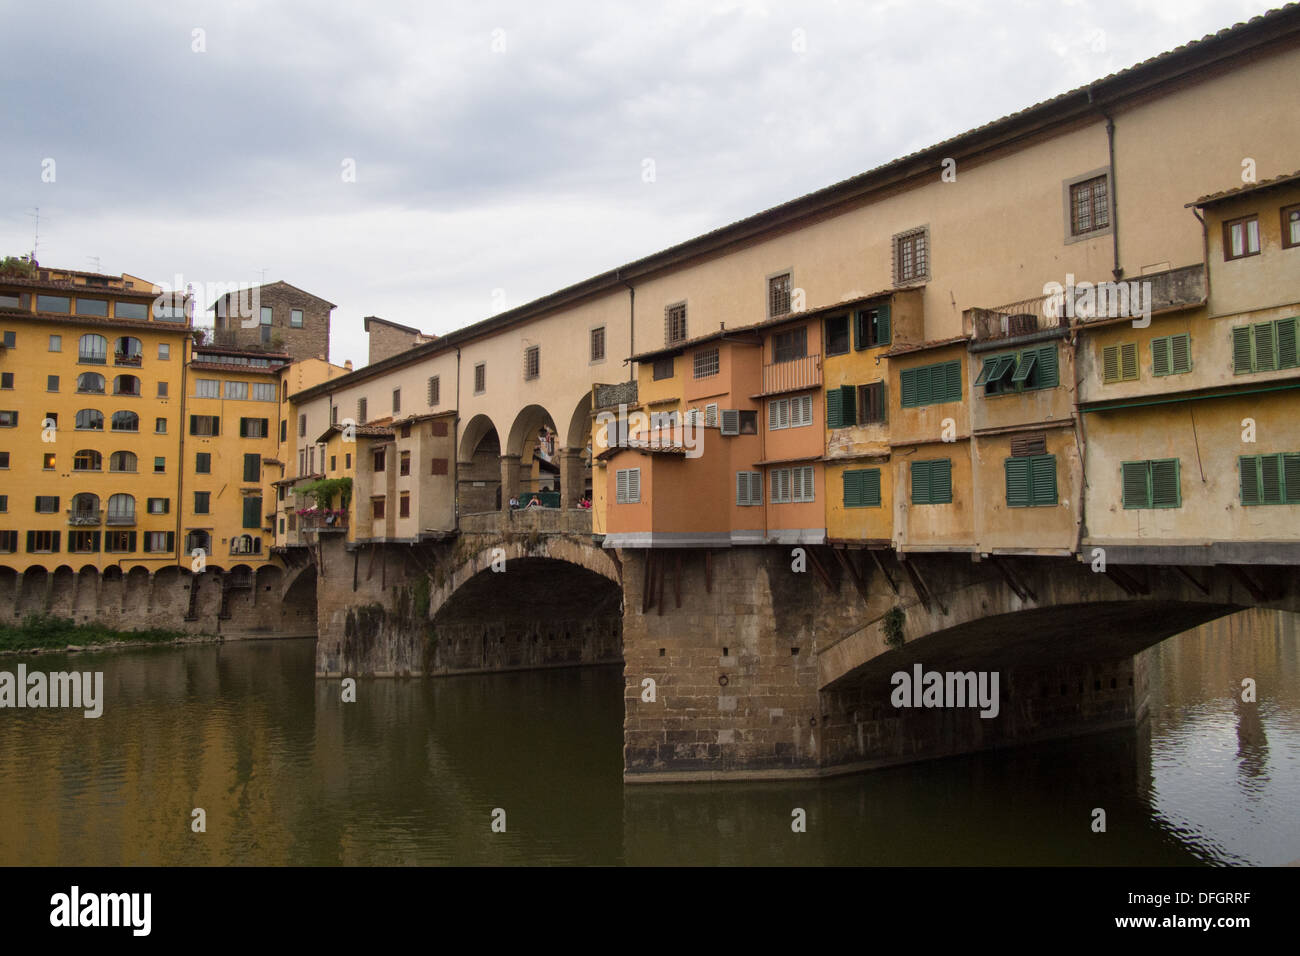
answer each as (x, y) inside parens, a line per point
(124, 422)
(90, 382)
(128, 350)
(88, 460)
(126, 385)
(121, 461)
(92, 348)
(121, 509)
(243, 544)
(90, 419)
(198, 539)
(85, 509)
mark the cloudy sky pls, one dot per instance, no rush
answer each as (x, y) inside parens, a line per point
(432, 162)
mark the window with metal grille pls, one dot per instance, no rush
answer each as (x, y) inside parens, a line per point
(598, 344)
(532, 361)
(706, 363)
(1151, 484)
(627, 483)
(932, 482)
(862, 488)
(1171, 354)
(1270, 479)
(749, 488)
(1241, 238)
(435, 391)
(931, 384)
(480, 378)
(790, 345)
(1089, 206)
(778, 294)
(1031, 481)
(911, 256)
(1265, 346)
(675, 323)
(1119, 363)
(663, 368)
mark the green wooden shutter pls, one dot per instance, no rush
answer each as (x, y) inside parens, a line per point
(1160, 356)
(921, 482)
(1048, 373)
(1241, 350)
(924, 385)
(1165, 490)
(1136, 488)
(1110, 364)
(952, 375)
(1286, 343)
(130, 541)
(252, 512)
(1291, 478)
(907, 383)
(1270, 479)
(1128, 361)
(849, 404)
(882, 325)
(871, 485)
(1042, 469)
(1248, 466)
(94, 541)
(1265, 354)
(171, 541)
(860, 329)
(1017, 470)
(852, 489)
(986, 370)
(1028, 359)
(1180, 353)
(834, 409)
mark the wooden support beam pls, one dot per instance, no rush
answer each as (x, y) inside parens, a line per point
(847, 564)
(677, 578)
(1125, 581)
(917, 585)
(1248, 583)
(1190, 577)
(880, 566)
(820, 568)
(1022, 590)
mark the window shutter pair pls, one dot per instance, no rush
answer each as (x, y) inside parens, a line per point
(1265, 346)
(862, 488)
(253, 512)
(932, 482)
(1031, 481)
(1270, 479)
(1151, 484)
(841, 406)
(1119, 362)
(1171, 355)
(749, 488)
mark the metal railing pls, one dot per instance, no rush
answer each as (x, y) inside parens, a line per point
(85, 519)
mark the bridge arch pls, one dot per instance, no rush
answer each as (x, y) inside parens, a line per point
(478, 467)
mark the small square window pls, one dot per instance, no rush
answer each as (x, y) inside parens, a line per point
(295, 318)
(1089, 206)
(6, 379)
(49, 462)
(1291, 227)
(162, 389)
(164, 351)
(56, 343)
(778, 294)
(663, 368)
(159, 465)
(51, 383)
(911, 256)
(1241, 238)
(160, 426)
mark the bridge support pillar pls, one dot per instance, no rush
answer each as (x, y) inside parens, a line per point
(572, 476)
(509, 479)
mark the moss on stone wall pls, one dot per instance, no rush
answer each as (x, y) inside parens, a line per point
(48, 631)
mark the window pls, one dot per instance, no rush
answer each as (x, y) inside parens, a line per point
(202, 463)
(404, 463)
(126, 385)
(841, 406)
(871, 327)
(377, 507)
(302, 425)
(61, 304)
(198, 541)
(532, 361)
(202, 501)
(56, 343)
(675, 323)
(598, 344)
(93, 349)
(158, 506)
(8, 542)
(253, 511)
(1119, 363)
(837, 335)
(1290, 227)
(9, 339)
(91, 383)
(164, 351)
(347, 460)
(627, 486)
(121, 509)
(334, 462)
(284, 430)
(794, 412)
(159, 465)
(160, 426)
(8, 419)
(7, 380)
(207, 388)
(1241, 238)
(434, 391)
(87, 460)
(1171, 354)
(51, 420)
(792, 485)
(1270, 479)
(266, 315)
(4, 459)
(126, 422)
(404, 505)
(872, 407)
(135, 310)
(83, 542)
(1031, 481)
(1089, 206)
(706, 363)
(1020, 371)
(47, 504)
(4, 503)
(51, 383)
(90, 419)
(749, 488)
(237, 390)
(379, 456)
(334, 414)
(252, 468)
(128, 350)
(790, 345)
(931, 384)
(122, 461)
(911, 256)
(121, 542)
(663, 368)
(711, 415)
(254, 427)
(932, 482)
(778, 294)
(41, 542)
(159, 541)
(1151, 484)
(263, 392)
(480, 378)
(1265, 346)
(862, 488)
(49, 461)
(207, 426)
(362, 416)
(295, 318)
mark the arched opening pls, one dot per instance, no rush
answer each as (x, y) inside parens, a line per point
(128, 350)
(298, 609)
(124, 422)
(479, 468)
(534, 438)
(576, 456)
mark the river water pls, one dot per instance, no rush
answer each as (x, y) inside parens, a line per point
(412, 772)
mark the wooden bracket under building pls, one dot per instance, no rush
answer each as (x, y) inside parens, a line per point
(1190, 577)
(1022, 591)
(820, 568)
(1129, 584)
(923, 592)
(880, 566)
(846, 562)
(1248, 583)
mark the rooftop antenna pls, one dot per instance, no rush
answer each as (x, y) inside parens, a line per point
(36, 237)
(263, 272)
(95, 260)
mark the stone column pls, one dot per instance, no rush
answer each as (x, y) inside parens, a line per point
(509, 479)
(572, 475)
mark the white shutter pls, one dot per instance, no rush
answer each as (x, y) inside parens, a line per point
(771, 415)
(634, 485)
(742, 488)
(756, 487)
(801, 414)
(621, 497)
(711, 416)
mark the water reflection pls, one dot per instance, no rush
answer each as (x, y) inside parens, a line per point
(412, 772)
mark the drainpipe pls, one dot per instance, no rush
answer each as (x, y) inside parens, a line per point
(1205, 252)
(1118, 271)
(631, 324)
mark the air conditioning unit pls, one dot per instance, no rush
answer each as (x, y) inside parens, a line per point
(730, 421)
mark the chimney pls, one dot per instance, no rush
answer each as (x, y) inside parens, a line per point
(348, 365)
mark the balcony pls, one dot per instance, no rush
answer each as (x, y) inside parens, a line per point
(122, 358)
(85, 519)
(805, 372)
(323, 521)
(120, 518)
